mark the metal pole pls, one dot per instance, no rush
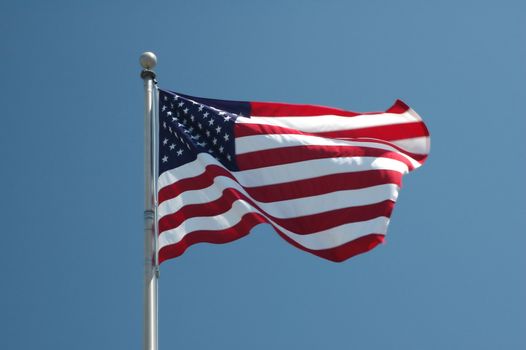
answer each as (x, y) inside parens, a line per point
(148, 62)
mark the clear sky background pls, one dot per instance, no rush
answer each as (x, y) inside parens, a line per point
(452, 273)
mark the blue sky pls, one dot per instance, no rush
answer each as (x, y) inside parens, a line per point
(451, 275)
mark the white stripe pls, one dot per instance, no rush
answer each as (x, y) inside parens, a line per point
(325, 123)
(284, 173)
(255, 143)
(289, 208)
(315, 168)
(417, 145)
(326, 239)
(414, 114)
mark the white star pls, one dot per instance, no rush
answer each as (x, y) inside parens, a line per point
(185, 111)
(199, 125)
(174, 119)
(169, 113)
(200, 108)
(211, 122)
(179, 152)
(227, 118)
(228, 157)
(181, 104)
(165, 141)
(170, 129)
(226, 137)
(165, 159)
(172, 146)
(218, 129)
(208, 133)
(176, 97)
(214, 141)
(164, 125)
(192, 118)
(221, 149)
(165, 98)
(164, 108)
(205, 115)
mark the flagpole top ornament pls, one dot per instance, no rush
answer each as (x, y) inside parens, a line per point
(148, 60)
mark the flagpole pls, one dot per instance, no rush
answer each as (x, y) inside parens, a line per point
(148, 61)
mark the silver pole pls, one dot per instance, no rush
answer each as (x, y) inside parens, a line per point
(148, 62)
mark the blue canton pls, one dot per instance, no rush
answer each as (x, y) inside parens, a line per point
(188, 127)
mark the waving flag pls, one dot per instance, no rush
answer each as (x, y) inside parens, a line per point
(324, 178)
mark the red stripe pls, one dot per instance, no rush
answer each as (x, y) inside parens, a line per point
(385, 132)
(289, 190)
(285, 155)
(274, 109)
(247, 129)
(337, 254)
(301, 225)
(348, 250)
(324, 184)
(398, 107)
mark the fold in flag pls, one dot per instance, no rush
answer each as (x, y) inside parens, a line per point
(325, 179)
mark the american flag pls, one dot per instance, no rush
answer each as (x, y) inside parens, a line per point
(324, 178)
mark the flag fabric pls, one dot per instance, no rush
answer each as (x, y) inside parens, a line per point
(325, 179)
